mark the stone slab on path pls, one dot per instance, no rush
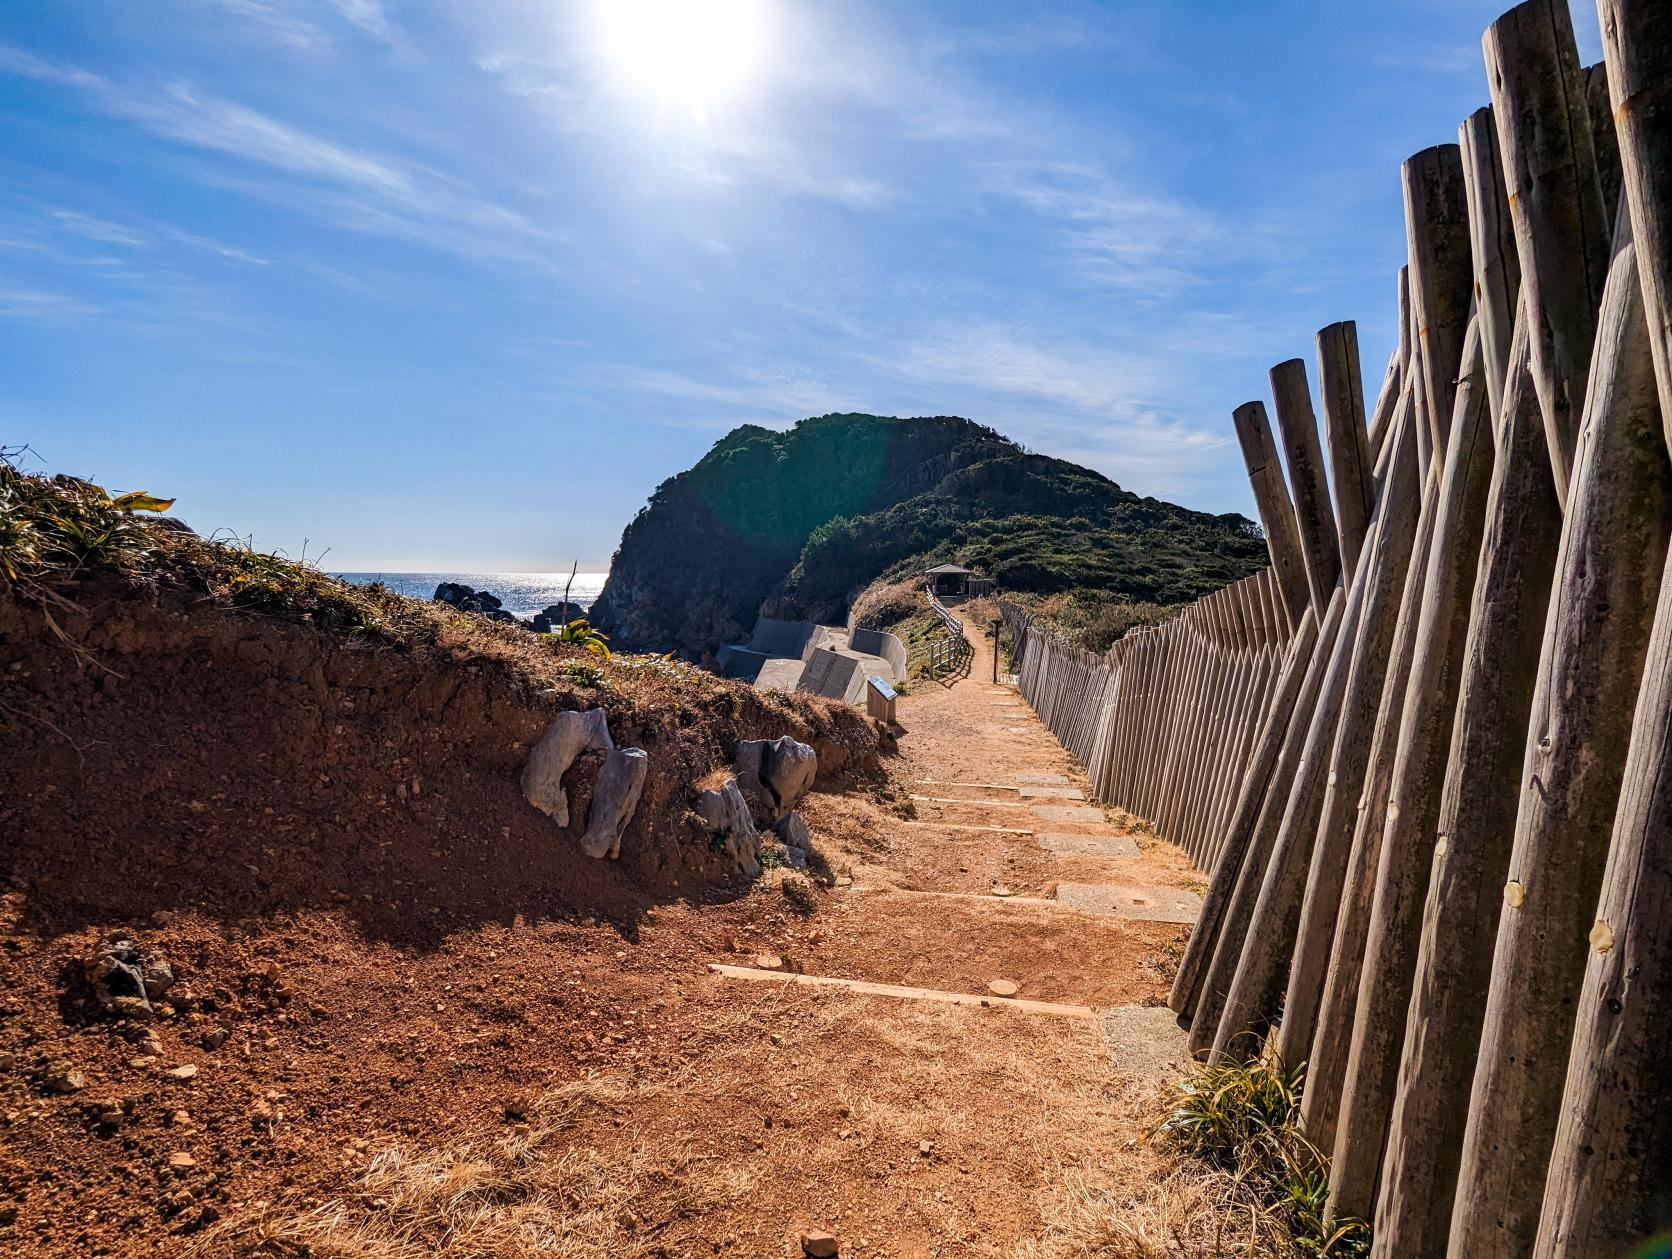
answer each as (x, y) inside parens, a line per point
(1067, 813)
(1066, 845)
(1145, 1042)
(1149, 904)
(902, 991)
(1042, 778)
(1051, 793)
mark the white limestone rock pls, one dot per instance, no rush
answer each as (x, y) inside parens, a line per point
(774, 774)
(614, 801)
(725, 813)
(571, 734)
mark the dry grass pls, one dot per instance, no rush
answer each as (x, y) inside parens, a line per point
(521, 1193)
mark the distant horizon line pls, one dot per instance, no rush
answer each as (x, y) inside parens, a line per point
(466, 568)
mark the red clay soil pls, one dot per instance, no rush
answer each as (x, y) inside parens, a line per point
(446, 1032)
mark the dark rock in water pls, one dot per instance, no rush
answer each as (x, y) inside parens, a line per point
(495, 614)
(452, 592)
(541, 624)
(490, 602)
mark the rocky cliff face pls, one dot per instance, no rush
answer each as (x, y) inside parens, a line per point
(801, 521)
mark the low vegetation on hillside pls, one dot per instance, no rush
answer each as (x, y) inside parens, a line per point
(799, 523)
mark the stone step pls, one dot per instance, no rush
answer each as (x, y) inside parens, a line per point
(938, 782)
(1067, 813)
(1051, 793)
(1066, 845)
(903, 992)
(986, 804)
(1042, 778)
(1148, 903)
(970, 826)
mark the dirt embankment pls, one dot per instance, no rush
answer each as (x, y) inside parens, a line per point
(324, 835)
(170, 757)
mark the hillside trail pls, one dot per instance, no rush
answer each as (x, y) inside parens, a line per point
(598, 1087)
(946, 1120)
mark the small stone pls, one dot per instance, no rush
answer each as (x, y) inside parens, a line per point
(1000, 889)
(181, 1159)
(769, 961)
(62, 1076)
(215, 1037)
(183, 1074)
(818, 1244)
(925, 1148)
(1003, 988)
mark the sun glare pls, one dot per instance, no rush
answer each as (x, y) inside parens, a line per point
(695, 52)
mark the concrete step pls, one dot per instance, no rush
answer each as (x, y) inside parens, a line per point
(969, 826)
(1051, 793)
(902, 992)
(986, 804)
(1067, 813)
(1066, 845)
(1042, 778)
(1146, 903)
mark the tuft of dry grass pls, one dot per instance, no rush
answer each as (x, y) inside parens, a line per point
(523, 1193)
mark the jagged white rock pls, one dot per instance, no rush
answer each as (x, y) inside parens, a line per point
(571, 734)
(797, 840)
(614, 800)
(775, 774)
(725, 811)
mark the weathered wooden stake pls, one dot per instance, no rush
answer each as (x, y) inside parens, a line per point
(1350, 462)
(1476, 829)
(1608, 572)
(1544, 137)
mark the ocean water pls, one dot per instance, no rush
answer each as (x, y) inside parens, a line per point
(523, 594)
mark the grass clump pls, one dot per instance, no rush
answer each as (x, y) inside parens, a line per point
(1245, 1119)
(64, 526)
(800, 894)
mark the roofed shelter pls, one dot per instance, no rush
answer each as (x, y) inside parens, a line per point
(954, 581)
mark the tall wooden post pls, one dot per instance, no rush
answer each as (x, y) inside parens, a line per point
(1304, 456)
(1414, 798)
(1342, 392)
(1612, 1158)
(1544, 136)
(1390, 557)
(1271, 500)
(1442, 282)
(1496, 265)
(1476, 828)
(1613, 544)
(1637, 38)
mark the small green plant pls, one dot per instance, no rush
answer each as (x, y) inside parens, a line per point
(582, 673)
(580, 633)
(1245, 1119)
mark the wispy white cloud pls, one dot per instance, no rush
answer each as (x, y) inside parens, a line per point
(309, 25)
(44, 304)
(352, 187)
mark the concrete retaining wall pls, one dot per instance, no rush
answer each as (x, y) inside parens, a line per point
(877, 643)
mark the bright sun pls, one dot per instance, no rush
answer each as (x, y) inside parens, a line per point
(694, 52)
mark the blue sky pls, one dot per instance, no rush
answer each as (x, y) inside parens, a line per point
(453, 284)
